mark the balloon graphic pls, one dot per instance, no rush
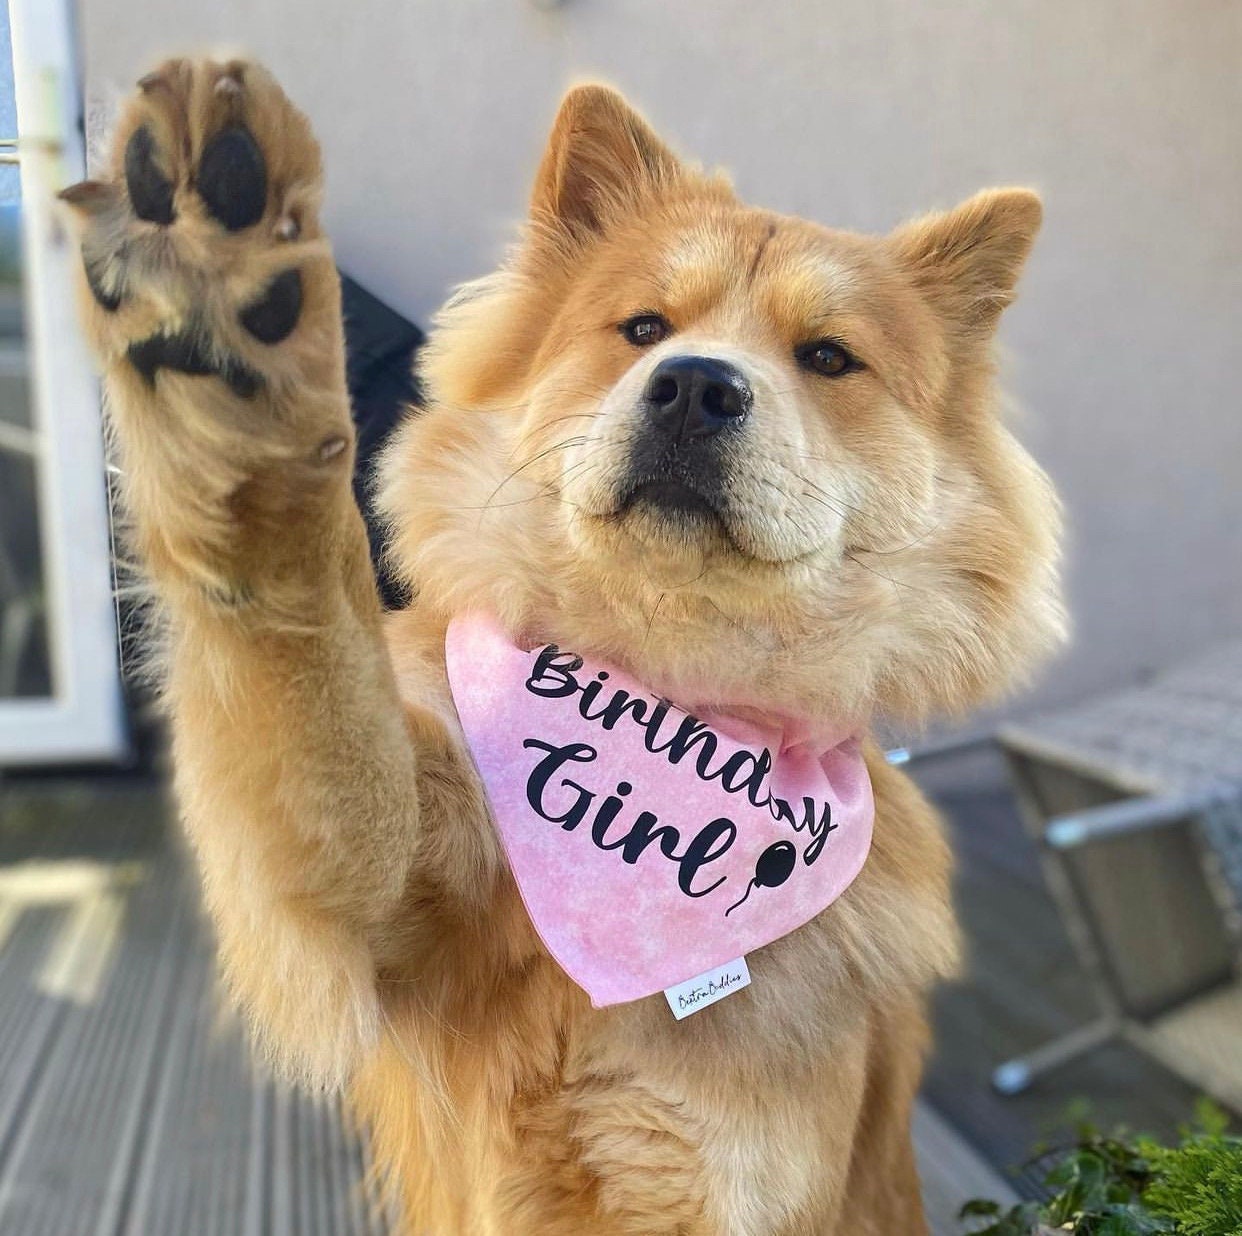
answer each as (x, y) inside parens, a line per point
(772, 868)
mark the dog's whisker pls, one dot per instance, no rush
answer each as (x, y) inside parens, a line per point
(737, 626)
(934, 527)
(655, 609)
(532, 461)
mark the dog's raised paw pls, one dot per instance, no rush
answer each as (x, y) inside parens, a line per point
(200, 248)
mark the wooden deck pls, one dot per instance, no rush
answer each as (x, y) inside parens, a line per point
(127, 1106)
(127, 1109)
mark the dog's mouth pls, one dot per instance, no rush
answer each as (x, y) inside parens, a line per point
(672, 498)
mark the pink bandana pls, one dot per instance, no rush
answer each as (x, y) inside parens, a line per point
(648, 846)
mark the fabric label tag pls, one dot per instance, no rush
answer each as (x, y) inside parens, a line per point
(697, 993)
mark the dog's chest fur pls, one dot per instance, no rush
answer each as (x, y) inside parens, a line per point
(497, 1071)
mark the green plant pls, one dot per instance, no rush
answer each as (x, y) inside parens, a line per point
(1199, 1185)
(1122, 1186)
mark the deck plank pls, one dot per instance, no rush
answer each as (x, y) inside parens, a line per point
(131, 1107)
(952, 1172)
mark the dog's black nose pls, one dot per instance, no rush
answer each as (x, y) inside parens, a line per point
(696, 396)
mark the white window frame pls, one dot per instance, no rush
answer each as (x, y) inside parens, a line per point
(83, 719)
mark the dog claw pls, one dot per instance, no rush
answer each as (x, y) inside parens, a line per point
(89, 196)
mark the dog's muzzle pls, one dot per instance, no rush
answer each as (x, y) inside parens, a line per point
(691, 408)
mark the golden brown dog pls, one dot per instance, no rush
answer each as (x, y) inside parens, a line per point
(872, 543)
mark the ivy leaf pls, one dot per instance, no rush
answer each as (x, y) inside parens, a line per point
(979, 1206)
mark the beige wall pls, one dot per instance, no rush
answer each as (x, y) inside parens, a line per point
(1125, 113)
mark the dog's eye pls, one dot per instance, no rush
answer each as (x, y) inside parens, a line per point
(828, 357)
(645, 330)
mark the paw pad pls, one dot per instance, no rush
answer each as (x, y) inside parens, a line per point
(184, 353)
(232, 179)
(150, 191)
(273, 316)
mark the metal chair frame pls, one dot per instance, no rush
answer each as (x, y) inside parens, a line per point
(1058, 838)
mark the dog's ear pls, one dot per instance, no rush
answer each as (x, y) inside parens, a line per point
(967, 260)
(601, 157)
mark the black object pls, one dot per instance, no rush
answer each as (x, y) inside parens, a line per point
(381, 349)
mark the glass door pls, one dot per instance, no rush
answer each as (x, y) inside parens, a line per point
(59, 679)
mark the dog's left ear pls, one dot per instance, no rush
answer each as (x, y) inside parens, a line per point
(601, 158)
(967, 260)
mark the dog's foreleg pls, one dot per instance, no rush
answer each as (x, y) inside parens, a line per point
(211, 300)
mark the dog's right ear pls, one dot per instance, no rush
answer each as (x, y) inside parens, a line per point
(601, 158)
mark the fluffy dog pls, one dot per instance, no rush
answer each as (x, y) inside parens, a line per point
(753, 462)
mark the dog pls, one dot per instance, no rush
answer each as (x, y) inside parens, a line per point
(752, 465)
